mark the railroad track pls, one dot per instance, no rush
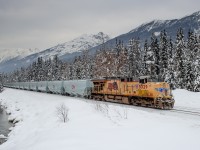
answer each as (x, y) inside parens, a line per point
(195, 113)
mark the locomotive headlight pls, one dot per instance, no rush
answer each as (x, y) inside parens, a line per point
(160, 89)
(163, 91)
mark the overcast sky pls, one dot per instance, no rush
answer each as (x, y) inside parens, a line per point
(46, 23)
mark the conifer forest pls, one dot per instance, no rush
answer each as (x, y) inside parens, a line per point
(174, 61)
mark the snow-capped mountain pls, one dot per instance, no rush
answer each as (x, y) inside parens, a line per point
(19, 53)
(191, 22)
(16, 58)
(144, 31)
(84, 42)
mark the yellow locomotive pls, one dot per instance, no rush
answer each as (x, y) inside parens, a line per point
(142, 92)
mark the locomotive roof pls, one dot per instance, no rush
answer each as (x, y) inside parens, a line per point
(111, 78)
(143, 77)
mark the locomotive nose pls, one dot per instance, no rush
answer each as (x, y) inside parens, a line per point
(163, 91)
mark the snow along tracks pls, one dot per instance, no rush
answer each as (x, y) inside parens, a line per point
(189, 112)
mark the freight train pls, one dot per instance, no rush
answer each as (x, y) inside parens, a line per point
(141, 92)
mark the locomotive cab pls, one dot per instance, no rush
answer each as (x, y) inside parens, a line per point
(143, 79)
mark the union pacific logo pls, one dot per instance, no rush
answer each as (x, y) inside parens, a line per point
(113, 86)
(161, 89)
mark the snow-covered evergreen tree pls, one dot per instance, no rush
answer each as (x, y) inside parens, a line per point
(153, 58)
(170, 76)
(76, 68)
(189, 76)
(163, 55)
(180, 59)
(99, 61)
(131, 54)
(70, 72)
(197, 65)
(123, 66)
(144, 56)
(86, 65)
(156, 49)
(40, 69)
(56, 68)
(1, 82)
(137, 57)
(134, 58)
(90, 67)
(118, 49)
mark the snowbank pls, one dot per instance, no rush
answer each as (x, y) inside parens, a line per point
(98, 125)
(186, 99)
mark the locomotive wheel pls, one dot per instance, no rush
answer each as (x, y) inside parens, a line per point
(164, 105)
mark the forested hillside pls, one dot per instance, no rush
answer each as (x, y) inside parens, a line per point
(176, 62)
(12, 59)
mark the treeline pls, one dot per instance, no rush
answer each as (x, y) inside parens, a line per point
(176, 62)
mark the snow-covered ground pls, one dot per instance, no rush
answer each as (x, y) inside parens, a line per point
(99, 125)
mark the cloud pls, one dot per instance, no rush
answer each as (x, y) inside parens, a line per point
(45, 23)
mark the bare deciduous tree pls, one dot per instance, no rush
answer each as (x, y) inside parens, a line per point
(104, 108)
(62, 112)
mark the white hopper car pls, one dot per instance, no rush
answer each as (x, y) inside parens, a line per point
(81, 88)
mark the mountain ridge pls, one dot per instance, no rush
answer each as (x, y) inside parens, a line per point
(143, 32)
(10, 59)
(7, 54)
